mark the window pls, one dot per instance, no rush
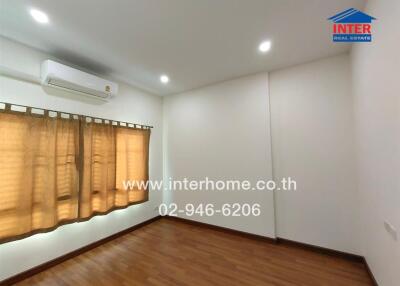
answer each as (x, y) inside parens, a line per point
(55, 170)
(132, 162)
(112, 155)
(38, 172)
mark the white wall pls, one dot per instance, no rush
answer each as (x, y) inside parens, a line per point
(313, 142)
(130, 105)
(376, 80)
(222, 132)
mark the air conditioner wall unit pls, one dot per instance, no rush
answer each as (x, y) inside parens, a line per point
(67, 78)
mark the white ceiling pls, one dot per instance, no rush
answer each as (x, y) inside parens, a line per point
(195, 42)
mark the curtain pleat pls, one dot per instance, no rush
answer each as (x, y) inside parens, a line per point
(98, 175)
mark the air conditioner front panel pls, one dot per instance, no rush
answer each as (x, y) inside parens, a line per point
(59, 83)
(62, 76)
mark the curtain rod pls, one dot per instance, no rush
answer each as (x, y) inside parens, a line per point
(142, 126)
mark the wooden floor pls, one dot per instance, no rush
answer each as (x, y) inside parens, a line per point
(169, 252)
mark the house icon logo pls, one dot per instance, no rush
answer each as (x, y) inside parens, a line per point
(351, 25)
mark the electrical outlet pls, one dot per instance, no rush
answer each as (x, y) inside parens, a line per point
(391, 230)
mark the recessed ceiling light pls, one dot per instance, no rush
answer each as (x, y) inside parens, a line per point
(164, 79)
(264, 46)
(39, 16)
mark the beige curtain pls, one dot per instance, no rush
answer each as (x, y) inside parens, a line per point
(98, 174)
(38, 172)
(112, 155)
(55, 170)
(132, 163)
